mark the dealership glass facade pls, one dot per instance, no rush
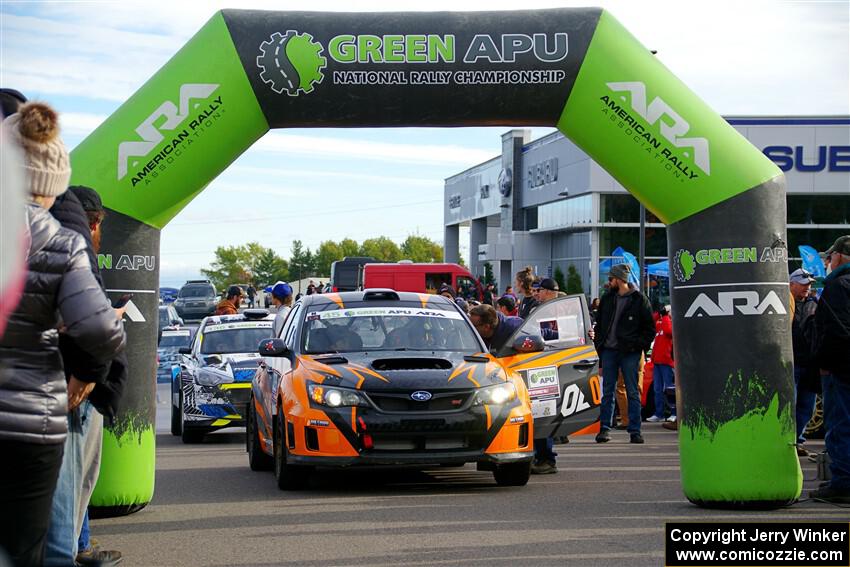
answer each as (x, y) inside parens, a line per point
(576, 214)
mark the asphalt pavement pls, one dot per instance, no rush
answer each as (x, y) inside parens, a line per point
(606, 506)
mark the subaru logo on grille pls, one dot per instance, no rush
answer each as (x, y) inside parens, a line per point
(421, 396)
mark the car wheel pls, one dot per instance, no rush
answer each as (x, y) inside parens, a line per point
(289, 477)
(187, 434)
(512, 474)
(176, 422)
(257, 458)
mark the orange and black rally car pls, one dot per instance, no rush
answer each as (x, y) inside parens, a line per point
(388, 378)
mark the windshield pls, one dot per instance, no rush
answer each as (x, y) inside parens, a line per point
(233, 338)
(388, 328)
(174, 341)
(196, 291)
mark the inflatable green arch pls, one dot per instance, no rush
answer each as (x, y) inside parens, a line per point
(578, 69)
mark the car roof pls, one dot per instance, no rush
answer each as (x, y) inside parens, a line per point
(221, 319)
(382, 297)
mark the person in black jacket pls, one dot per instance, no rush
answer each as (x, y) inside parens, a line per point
(81, 210)
(832, 352)
(60, 294)
(806, 375)
(624, 331)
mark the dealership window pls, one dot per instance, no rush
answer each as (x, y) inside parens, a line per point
(621, 207)
(629, 240)
(818, 238)
(568, 212)
(818, 209)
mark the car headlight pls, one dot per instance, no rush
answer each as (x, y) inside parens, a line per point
(496, 395)
(212, 378)
(335, 397)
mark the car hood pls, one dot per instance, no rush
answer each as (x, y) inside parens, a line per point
(239, 367)
(404, 371)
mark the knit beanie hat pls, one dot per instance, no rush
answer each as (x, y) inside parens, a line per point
(621, 272)
(35, 127)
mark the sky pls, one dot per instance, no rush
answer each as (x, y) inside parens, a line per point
(743, 58)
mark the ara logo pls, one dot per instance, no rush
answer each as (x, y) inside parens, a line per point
(728, 302)
(674, 127)
(174, 115)
(132, 313)
(291, 63)
(574, 401)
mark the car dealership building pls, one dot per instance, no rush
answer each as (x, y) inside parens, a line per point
(547, 204)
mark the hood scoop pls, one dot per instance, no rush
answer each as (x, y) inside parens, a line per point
(411, 364)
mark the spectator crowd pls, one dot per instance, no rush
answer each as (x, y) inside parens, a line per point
(62, 365)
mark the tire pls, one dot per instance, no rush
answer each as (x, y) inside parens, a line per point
(187, 434)
(512, 474)
(288, 477)
(176, 425)
(257, 458)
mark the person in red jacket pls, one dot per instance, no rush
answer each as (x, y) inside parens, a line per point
(662, 360)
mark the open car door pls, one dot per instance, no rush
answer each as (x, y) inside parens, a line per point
(562, 379)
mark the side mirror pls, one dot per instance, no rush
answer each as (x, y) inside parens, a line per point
(177, 322)
(273, 347)
(528, 343)
(184, 350)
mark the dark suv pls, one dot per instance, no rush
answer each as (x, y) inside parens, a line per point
(197, 299)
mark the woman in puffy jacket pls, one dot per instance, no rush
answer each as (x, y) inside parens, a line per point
(60, 295)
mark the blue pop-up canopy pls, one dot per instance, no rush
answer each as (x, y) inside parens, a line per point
(620, 256)
(661, 269)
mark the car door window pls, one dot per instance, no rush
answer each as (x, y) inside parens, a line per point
(290, 326)
(560, 322)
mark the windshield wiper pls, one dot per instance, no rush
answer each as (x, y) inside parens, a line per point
(475, 358)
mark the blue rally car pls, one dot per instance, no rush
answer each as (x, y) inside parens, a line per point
(211, 385)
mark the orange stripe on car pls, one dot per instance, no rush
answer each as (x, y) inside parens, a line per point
(424, 297)
(354, 419)
(471, 379)
(368, 371)
(589, 430)
(489, 418)
(335, 298)
(461, 367)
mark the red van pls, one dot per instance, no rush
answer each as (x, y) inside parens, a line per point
(422, 278)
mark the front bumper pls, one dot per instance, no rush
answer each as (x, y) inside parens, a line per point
(224, 405)
(398, 459)
(366, 436)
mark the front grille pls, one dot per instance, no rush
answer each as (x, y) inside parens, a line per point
(401, 402)
(401, 444)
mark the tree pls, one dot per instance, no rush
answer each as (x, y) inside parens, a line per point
(231, 265)
(381, 248)
(300, 261)
(348, 247)
(488, 274)
(327, 253)
(421, 249)
(574, 284)
(558, 276)
(270, 268)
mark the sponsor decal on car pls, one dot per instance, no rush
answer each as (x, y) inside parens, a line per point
(382, 312)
